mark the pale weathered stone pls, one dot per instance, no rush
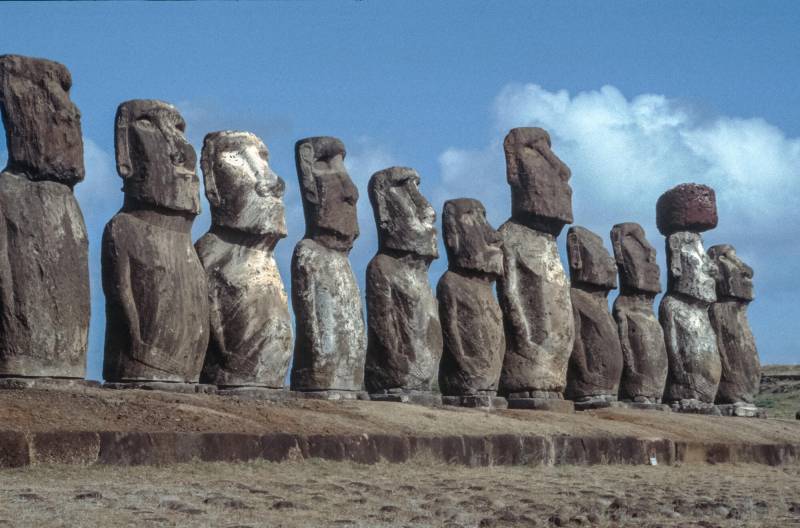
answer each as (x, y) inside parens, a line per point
(694, 362)
(472, 323)
(645, 364)
(155, 286)
(44, 267)
(251, 335)
(404, 339)
(595, 366)
(331, 341)
(741, 369)
(534, 291)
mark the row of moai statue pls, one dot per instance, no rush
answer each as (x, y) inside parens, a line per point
(217, 312)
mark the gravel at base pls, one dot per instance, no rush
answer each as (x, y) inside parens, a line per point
(320, 493)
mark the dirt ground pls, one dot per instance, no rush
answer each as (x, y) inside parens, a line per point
(319, 493)
(138, 410)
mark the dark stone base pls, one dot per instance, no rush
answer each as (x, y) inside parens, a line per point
(166, 386)
(476, 401)
(255, 393)
(695, 407)
(428, 399)
(599, 403)
(542, 404)
(742, 410)
(332, 395)
(642, 406)
(47, 383)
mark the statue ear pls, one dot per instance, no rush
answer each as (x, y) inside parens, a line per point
(674, 256)
(304, 156)
(450, 228)
(121, 146)
(207, 165)
(616, 245)
(574, 252)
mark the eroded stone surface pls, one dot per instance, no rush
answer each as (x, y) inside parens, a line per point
(472, 323)
(741, 369)
(155, 286)
(534, 292)
(644, 353)
(686, 207)
(535, 296)
(251, 336)
(44, 268)
(331, 341)
(694, 362)
(595, 366)
(404, 342)
(541, 196)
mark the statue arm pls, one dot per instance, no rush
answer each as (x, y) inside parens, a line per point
(304, 299)
(513, 310)
(625, 341)
(6, 277)
(380, 308)
(116, 271)
(448, 315)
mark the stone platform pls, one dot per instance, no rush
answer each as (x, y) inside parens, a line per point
(12, 383)
(86, 425)
(429, 399)
(476, 401)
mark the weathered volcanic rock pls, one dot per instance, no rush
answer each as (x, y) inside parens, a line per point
(694, 362)
(472, 323)
(534, 292)
(331, 342)
(541, 196)
(595, 366)
(644, 354)
(687, 207)
(155, 286)
(44, 267)
(404, 339)
(251, 329)
(741, 369)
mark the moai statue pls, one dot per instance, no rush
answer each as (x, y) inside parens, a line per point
(331, 343)
(404, 337)
(472, 323)
(251, 329)
(534, 291)
(741, 370)
(694, 363)
(595, 366)
(644, 354)
(44, 266)
(155, 286)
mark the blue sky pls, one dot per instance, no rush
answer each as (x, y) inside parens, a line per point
(638, 96)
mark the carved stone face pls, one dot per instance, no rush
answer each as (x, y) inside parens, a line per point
(405, 219)
(43, 126)
(691, 271)
(156, 162)
(243, 191)
(471, 243)
(589, 261)
(329, 195)
(636, 259)
(540, 192)
(735, 278)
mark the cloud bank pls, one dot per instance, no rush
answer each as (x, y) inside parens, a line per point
(625, 152)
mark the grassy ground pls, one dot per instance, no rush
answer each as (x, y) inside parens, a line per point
(319, 493)
(780, 396)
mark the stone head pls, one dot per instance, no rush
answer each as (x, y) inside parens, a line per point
(329, 195)
(735, 278)
(636, 259)
(589, 261)
(686, 207)
(243, 191)
(471, 243)
(43, 126)
(540, 192)
(691, 271)
(405, 219)
(154, 159)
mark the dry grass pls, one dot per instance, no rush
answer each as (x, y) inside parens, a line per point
(322, 493)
